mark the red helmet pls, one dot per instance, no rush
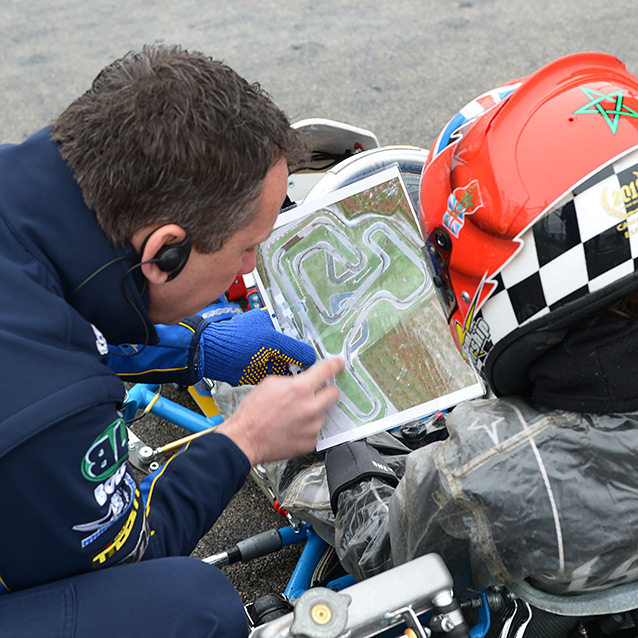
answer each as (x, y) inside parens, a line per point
(527, 205)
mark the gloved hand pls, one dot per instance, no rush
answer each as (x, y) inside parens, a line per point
(245, 349)
(349, 463)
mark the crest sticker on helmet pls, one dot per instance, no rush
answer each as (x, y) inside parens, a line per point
(461, 202)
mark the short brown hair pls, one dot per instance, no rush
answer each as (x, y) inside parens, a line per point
(167, 135)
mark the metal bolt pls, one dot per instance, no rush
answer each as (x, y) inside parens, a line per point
(446, 624)
(146, 453)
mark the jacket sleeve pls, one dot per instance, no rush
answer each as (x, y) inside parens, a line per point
(172, 360)
(431, 509)
(378, 526)
(375, 523)
(362, 537)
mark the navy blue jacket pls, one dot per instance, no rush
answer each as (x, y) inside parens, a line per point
(69, 503)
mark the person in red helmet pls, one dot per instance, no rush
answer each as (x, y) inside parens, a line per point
(528, 206)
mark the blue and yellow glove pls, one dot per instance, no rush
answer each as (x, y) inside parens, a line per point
(245, 349)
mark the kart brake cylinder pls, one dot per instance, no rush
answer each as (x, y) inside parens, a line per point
(261, 544)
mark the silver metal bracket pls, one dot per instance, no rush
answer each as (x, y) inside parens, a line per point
(141, 456)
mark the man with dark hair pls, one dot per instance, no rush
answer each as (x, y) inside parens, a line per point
(152, 140)
(138, 207)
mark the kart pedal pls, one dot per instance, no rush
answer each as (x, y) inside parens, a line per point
(267, 608)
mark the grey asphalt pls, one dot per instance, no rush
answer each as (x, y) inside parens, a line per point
(399, 68)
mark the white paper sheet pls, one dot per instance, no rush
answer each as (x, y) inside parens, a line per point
(346, 274)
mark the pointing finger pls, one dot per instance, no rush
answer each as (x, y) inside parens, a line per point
(326, 396)
(318, 374)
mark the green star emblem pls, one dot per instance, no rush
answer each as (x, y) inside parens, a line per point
(611, 115)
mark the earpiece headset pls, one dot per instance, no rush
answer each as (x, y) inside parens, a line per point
(171, 258)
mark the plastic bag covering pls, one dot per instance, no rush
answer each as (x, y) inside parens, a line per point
(513, 493)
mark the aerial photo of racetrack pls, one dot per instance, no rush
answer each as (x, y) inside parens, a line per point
(350, 279)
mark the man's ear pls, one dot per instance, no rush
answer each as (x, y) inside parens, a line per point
(163, 252)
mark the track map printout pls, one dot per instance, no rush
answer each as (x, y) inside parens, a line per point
(345, 273)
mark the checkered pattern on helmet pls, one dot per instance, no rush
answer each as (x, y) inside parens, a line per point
(586, 242)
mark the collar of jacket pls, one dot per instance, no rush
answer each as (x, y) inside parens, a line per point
(594, 369)
(44, 208)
